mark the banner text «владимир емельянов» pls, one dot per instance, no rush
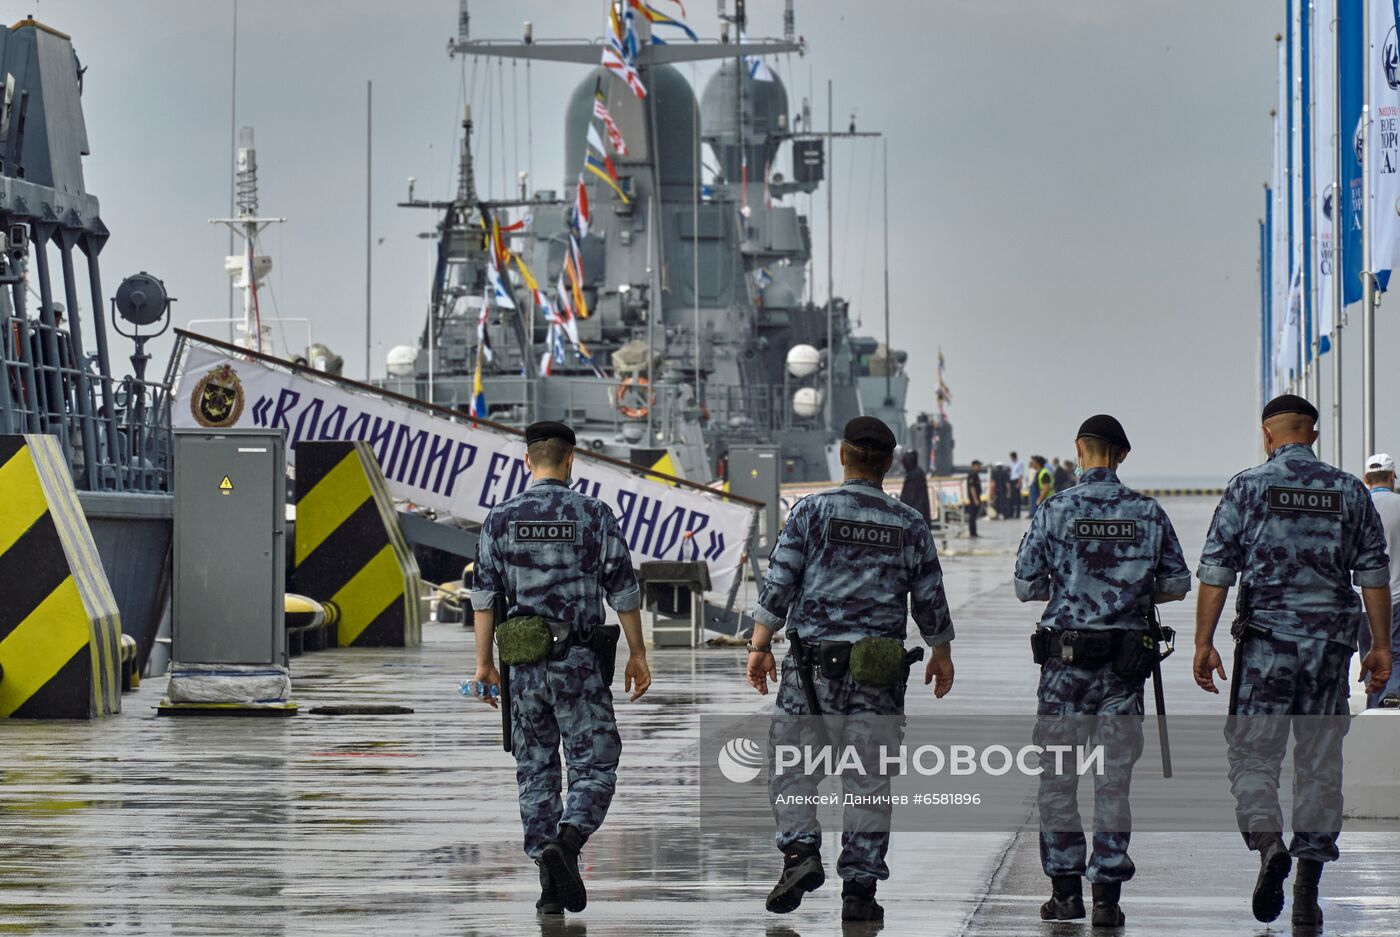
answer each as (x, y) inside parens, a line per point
(457, 468)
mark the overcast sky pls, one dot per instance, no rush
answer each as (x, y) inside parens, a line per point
(1075, 184)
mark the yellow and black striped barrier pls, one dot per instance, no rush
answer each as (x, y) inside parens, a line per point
(60, 632)
(349, 550)
(311, 626)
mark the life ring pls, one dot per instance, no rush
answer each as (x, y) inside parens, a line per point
(634, 385)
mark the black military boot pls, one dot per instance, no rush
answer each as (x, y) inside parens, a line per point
(1106, 910)
(858, 901)
(549, 897)
(1274, 866)
(560, 862)
(802, 872)
(1306, 911)
(1066, 899)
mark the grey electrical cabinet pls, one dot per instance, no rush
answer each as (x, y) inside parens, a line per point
(754, 472)
(229, 559)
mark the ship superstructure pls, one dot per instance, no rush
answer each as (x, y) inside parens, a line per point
(693, 267)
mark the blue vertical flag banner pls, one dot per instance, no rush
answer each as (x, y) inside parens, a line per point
(1265, 363)
(1295, 155)
(1351, 77)
(1383, 63)
(1307, 199)
(1271, 382)
(1279, 262)
(1324, 88)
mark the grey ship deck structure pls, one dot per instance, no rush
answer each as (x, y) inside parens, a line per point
(703, 333)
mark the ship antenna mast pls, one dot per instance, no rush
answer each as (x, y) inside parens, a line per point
(248, 267)
(466, 174)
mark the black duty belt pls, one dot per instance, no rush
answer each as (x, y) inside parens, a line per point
(1086, 649)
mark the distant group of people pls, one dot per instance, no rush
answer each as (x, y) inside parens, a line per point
(1010, 486)
(1014, 484)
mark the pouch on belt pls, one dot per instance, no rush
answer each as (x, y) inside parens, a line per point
(525, 640)
(834, 658)
(604, 643)
(1136, 658)
(879, 662)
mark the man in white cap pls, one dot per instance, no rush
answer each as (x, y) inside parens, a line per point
(1380, 479)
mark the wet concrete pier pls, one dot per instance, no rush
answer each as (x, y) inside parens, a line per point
(407, 824)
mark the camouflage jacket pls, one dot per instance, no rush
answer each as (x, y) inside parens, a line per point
(1296, 529)
(554, 552)
(847, 565)
(1098, 552)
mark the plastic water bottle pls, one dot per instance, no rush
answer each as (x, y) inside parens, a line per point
(479, 690)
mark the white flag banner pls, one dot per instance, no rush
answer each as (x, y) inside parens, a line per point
(457, 468)
(1383, 79)
(1288, 350)
(1324, 89)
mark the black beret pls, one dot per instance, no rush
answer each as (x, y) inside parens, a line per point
(1106, 428)
(1289, 403)
(869, 433)
(548, 429)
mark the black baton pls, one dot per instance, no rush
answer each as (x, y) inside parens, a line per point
(498, 613)
(1235, 680)
(1161, 701)
(1163, 644)
(505, 708)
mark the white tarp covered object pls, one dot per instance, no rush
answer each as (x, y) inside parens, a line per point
(452, 466)
(243, 684)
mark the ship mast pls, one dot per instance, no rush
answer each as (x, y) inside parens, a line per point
(248, 267)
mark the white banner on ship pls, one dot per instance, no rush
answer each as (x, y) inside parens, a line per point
(450, 467)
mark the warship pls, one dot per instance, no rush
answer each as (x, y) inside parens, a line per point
(59, 361)
(681, 254)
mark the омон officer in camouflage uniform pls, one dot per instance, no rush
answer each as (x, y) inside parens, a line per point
(555, 555)
(1102, 555)
(842, 575)
(1298, 533)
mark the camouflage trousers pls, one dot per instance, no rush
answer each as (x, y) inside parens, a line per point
(1304, 678)
(1392, 686)
(554, 701)
(1068, 696)
(860, 718)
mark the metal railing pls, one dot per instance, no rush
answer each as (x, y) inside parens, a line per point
(760, 407)
(115, 433)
